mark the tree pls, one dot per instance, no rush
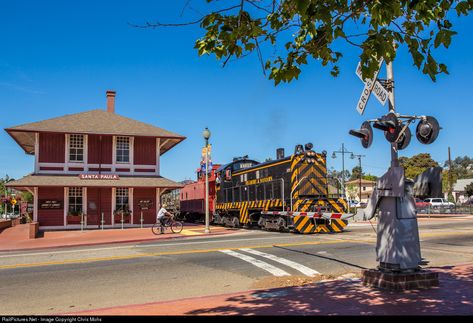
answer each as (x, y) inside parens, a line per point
(312, 29)
(4, 191)
(370, 177)
(355, 173)
(462, 167)
(417, 164)
(469, 189)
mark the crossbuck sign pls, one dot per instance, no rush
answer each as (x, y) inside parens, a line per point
(379, 91)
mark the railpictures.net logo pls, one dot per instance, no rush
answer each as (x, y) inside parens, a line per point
(35, 319)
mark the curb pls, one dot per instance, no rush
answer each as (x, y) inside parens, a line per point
(110, 242)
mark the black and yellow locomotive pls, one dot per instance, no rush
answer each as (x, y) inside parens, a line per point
(286, 194)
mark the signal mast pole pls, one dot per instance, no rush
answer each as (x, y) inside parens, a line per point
(390, 89)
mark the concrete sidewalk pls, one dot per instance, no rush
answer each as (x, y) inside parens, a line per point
(339, 297)
(14, 238)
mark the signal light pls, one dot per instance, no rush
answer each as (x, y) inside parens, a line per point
(390, 125)
(428, 130)
(365, 133)
(405, 139)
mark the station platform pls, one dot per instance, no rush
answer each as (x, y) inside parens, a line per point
(15, 238)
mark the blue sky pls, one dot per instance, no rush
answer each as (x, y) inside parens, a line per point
(59, 57)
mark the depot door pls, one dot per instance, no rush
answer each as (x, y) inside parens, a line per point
(99, 200)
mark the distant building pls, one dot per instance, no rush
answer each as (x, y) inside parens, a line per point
(353, 189)
(459, 193)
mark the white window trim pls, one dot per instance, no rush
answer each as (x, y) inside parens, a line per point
(130, 203)
(66, 204)
(36, 152)
(114, 192)
(35, 204)
(131, 151)
(158, 154)
(68, 163)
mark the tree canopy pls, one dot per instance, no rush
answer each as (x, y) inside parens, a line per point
(469, 189)
(462, 167)
(417, 164)
(313, 29)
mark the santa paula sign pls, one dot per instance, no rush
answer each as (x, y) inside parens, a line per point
(99, 176)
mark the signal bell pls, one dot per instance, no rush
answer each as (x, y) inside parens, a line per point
(365, 134)
(428, 130)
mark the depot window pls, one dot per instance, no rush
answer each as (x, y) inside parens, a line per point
(75, 200)
(121, 199)
(123, 149)
(76, 148)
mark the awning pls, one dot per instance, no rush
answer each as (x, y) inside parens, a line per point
(76, 181)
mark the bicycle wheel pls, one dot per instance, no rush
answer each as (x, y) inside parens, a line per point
(176, 227)
(156, 228)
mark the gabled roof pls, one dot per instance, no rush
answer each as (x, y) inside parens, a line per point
(460, 185)
(363, 181)
(92, 122)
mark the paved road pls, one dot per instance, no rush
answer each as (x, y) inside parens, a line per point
(59, 281)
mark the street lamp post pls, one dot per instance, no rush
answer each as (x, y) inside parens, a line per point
(206, 135)
(343, 151)
(353, 156)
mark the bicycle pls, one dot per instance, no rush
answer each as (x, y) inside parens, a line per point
(169, 222)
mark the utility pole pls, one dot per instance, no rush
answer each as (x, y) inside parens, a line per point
(343, 151)
(450, 180)
(353, 156)
(206, 135)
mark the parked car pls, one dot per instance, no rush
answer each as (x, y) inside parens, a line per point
(438, 203)
(422, 205)
(353, 203)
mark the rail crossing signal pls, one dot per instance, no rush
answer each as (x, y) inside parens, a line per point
(397, 243)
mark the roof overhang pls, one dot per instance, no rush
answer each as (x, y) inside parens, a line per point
(75, 181)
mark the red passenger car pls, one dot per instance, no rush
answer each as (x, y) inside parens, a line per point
(192, 206)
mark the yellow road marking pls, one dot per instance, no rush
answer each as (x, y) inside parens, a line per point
(168, 253)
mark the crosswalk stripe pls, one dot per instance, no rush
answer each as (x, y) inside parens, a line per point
(303, 269)
(258, 263)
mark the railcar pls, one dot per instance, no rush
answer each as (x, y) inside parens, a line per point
(286, 194)
(192, 197)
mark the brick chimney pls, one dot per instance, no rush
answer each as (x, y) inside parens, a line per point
(111, 101)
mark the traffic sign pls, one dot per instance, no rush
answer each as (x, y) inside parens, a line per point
(365, 94)
(13, 201)
(379, 91)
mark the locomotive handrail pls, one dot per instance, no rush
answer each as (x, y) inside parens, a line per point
(282, 179)
(295, 188)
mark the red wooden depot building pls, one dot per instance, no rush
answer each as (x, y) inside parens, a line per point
(94, 163)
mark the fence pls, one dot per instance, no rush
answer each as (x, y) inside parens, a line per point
(457, 209)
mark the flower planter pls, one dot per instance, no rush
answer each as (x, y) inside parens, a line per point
(126, 219)
(73, 219)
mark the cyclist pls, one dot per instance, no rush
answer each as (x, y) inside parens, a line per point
(162, 216)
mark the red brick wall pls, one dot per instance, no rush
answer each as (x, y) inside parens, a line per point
(149, 216)
(51, 148)
(51, 217)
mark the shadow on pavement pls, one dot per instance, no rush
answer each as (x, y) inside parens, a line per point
(453, 297)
